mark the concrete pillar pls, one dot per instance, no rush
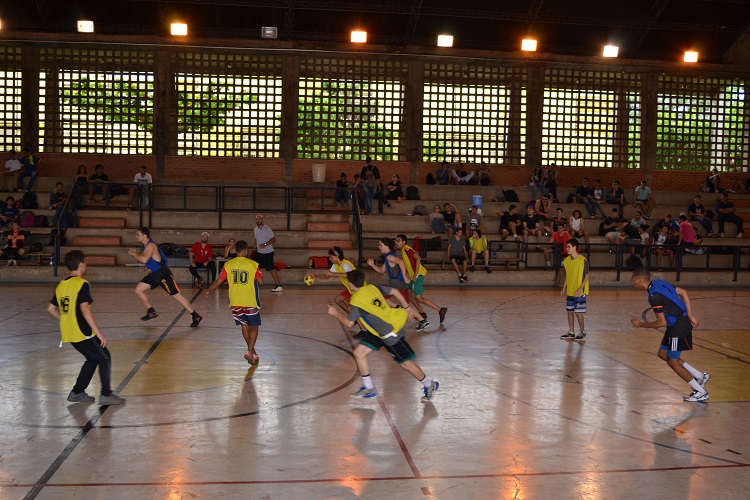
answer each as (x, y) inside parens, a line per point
(289, 104)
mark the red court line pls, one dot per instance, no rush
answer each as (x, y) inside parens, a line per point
(363, 479)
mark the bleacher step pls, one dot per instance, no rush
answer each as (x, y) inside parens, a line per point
(101, 260)
(97, 241)
(328, 227)
(101, 223)
(344, 244)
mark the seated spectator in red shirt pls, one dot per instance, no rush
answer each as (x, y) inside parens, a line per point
(558, 238)
(202, 255)
(16, 239)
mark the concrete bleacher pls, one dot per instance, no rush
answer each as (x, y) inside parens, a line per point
(106, 233)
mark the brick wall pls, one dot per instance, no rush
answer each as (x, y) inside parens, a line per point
(185, 168)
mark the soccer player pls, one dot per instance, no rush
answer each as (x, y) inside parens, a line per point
(671, 306)
(575, 289)
(417, 272)
(71, 305)
(244, 278)
(385, 328)
(159, 275)
(339, 267)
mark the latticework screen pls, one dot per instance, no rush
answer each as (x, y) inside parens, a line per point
(10, 98)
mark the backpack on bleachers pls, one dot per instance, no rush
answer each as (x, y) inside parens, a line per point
(419, 210)
(27, 219)
(412, 193)
(510, 195)
(438, 225)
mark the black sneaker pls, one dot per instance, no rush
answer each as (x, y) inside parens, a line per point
(471, 269)
(197, 318)
(442, 312)
(150, 315)
(466, 278)
(487, 268)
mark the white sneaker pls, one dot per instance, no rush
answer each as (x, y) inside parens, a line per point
(277, 289)
(704, 379)
(696, 396)
(739, 235)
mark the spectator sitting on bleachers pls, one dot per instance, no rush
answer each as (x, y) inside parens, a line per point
(532, 226)
(535, 180)
(559, 219)
(474, 219)
(9, 213)
(510, 223)
(613, 235)
(99, 184)
(577, 226)
(443, 174)
(394, 189)
(15, 243)
(725, 211)
(661, 248)
(457, 254)
(687, 232)
(667, 221)
(31, 166)
(479, 245)
(638, 220)
(697, 212)
(616, 196)
(202, 255)
(610, 223)
(452, 218)
(543, 210)
(141, 182)
(461, 176)
(557, 241)
(595, 199)
(12, 169)
(483, 175)
(57, 199)
(436, 221)
(644, 199)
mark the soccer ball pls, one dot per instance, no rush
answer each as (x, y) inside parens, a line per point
(309, 280)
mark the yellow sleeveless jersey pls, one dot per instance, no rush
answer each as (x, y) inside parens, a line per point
(574, 269)
(243, 289)
(340, 268)
(478, 244)
(420, 271)
(369, 299)
(66, 294)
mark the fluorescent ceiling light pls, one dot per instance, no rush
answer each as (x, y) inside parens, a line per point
(85, 26)
(359, 36)
(179, 29)
(690, 56)
(610, 51)
(445, 41)
(528, 45)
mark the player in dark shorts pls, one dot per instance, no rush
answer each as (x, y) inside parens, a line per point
(159, 276)
(671, 306)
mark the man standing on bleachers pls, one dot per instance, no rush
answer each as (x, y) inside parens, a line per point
(202, 255)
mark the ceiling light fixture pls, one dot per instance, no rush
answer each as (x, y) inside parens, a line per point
(85, 26)
(269, 32)
(445, 41)
(610, 51)
(179, 29)
(690, 56)
(528, 45)
(359, 36)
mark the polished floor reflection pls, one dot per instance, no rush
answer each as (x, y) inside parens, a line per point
(520, 414)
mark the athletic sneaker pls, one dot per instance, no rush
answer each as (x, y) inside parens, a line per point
(365, 393)
(150, 315)
(430, 391)
(81, 397)
(196, 320)
(256, 358)
(696, 396)
(112, 399)
(249, 357)
(569, 335)
(442, 312)
(199, 283)
(460, 279)
(487, 268)
(466, 278)
(471, 268)
(422, 325)
(581, 336)
(277, 289)
(704, 379)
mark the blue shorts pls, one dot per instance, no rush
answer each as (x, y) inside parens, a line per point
(249, 316)
(576, 304)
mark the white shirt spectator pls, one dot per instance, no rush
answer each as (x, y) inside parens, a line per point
(12, 165)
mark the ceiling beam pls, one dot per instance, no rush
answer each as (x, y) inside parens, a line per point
(411, 26)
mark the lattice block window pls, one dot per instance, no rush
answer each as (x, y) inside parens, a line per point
(591, 119)
(473, 113)
(350, 109)
(87, 109)
(10, 98)
(700, 123)
(228, 105)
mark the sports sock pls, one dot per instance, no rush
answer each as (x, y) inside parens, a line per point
(367, 382)
(426, 381)
(695, 373)
(695, 385)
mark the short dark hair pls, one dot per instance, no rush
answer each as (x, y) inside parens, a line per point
(144, 230)
(511, 207)
(388, 242)
(58, 183)
(682, 217)
(356, 277)
(402, 237)
(73, 259)
(641, 272)
(574, 243)
(10, 198)
(240, 246)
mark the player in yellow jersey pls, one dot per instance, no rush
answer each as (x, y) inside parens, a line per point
(416, 272)
(575, 289)
(243, 277)
(339, 267)
(71, 305)
(385, 328)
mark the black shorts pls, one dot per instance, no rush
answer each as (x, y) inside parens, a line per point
(400, 351)
(458, 258)
(264, 260)
(163, 278)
